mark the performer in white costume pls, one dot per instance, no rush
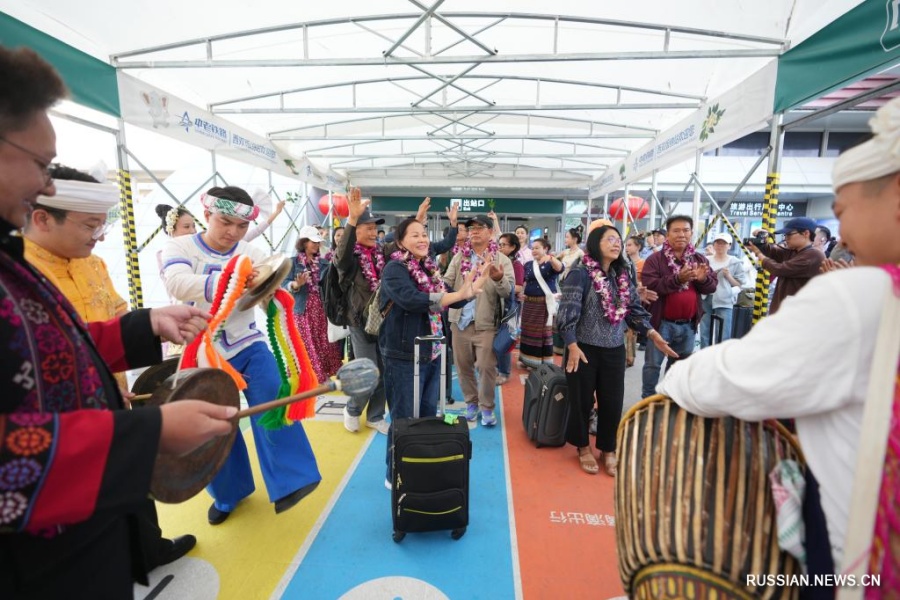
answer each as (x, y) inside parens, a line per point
(192, 265)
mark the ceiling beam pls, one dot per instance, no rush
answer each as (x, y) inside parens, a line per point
(461, 109)
(550, 18)
(446, 60)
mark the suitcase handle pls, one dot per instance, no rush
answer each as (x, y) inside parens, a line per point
(418, 341)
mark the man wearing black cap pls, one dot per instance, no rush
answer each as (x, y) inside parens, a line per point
(474, 325)
(359, 257)
(795, 263)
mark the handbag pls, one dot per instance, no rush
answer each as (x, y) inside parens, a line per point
(375, 316)
(549, 297)
(504, 339)
(337, 332)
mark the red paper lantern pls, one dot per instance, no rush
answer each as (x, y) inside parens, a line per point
(341, 206)
(637, 208)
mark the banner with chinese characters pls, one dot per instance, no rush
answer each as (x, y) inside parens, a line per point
(502, 206)
(739, 111)
(159, 111)
(755, 209)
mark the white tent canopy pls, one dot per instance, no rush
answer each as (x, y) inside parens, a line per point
(443, 92)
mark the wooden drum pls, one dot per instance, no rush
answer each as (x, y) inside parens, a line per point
(694, 511)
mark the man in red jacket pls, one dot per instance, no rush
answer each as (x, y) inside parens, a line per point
(679, 275)
(74, 466)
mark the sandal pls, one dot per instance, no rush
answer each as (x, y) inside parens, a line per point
(588, 462)
(609, 463)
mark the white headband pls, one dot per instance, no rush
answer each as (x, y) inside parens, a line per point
(875, 158)
(82, 196)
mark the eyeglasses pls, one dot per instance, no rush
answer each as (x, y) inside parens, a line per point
(788, 234)
(42, 162)
(97, 231)
(612, 239)
(473, 228)
(504, 245)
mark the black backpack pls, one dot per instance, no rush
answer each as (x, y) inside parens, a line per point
(336, 294)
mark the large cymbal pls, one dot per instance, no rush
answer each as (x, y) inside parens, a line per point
(272, 272)
(177, 478)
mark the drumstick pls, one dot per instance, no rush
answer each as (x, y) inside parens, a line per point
(357, 377)
(261, 408)
(140, 397)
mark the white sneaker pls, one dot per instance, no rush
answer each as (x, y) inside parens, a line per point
(387, 484)
(381, 426)
(351, 423)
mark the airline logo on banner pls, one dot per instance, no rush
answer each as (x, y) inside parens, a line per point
(735, 113)
(149, 107)
(890, 39)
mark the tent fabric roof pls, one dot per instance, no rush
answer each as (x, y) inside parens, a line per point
(446, 91)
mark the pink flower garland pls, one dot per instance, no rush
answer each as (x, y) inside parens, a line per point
(312, 266)
(614, 311)
(371, 270)
(689, 259)
(467, 250)
(428, 280)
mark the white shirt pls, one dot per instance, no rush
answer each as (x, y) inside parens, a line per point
(192, 271)
(810, 361)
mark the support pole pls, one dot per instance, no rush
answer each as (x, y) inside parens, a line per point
(653, 202)
(695, 205)
(770, 211)
(129, 233)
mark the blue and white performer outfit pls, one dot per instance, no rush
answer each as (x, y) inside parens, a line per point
(192, 270)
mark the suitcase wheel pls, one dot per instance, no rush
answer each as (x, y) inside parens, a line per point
(456, 533)
(399, 535)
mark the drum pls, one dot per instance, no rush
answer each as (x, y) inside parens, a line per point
(694, 511)
(177, 478)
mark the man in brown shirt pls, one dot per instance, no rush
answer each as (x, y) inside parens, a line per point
(795, 263)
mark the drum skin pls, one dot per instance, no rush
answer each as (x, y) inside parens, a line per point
(694, 511)
(178, 478)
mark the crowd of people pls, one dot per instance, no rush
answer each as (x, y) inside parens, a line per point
(64, 331)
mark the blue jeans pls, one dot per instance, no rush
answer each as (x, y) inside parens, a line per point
(705, 322)
(398, 384)
(286, 459)
(680, 336)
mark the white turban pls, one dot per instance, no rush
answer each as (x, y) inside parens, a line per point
(877, 157)
(82, 196)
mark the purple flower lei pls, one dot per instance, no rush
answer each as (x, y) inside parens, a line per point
(312, 266)
(467, 251)
(688, 257)
(614, 311)
(370, 270)
(428, 279)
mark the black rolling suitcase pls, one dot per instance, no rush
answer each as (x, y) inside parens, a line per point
(742, 321)
(430, 467)
(545, 411)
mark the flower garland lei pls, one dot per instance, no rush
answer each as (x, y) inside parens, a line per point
(371, 270)
(428, 280)
(688, 257)
(614, 311)
(312, 266)
(467, 251)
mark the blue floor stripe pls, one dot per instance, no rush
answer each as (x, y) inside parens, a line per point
(354, 550)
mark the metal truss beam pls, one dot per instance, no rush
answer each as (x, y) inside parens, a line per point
(591, 124)
(498, 77)
(465, 136)
(666, 29)
(461, 109)
(447, 60)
